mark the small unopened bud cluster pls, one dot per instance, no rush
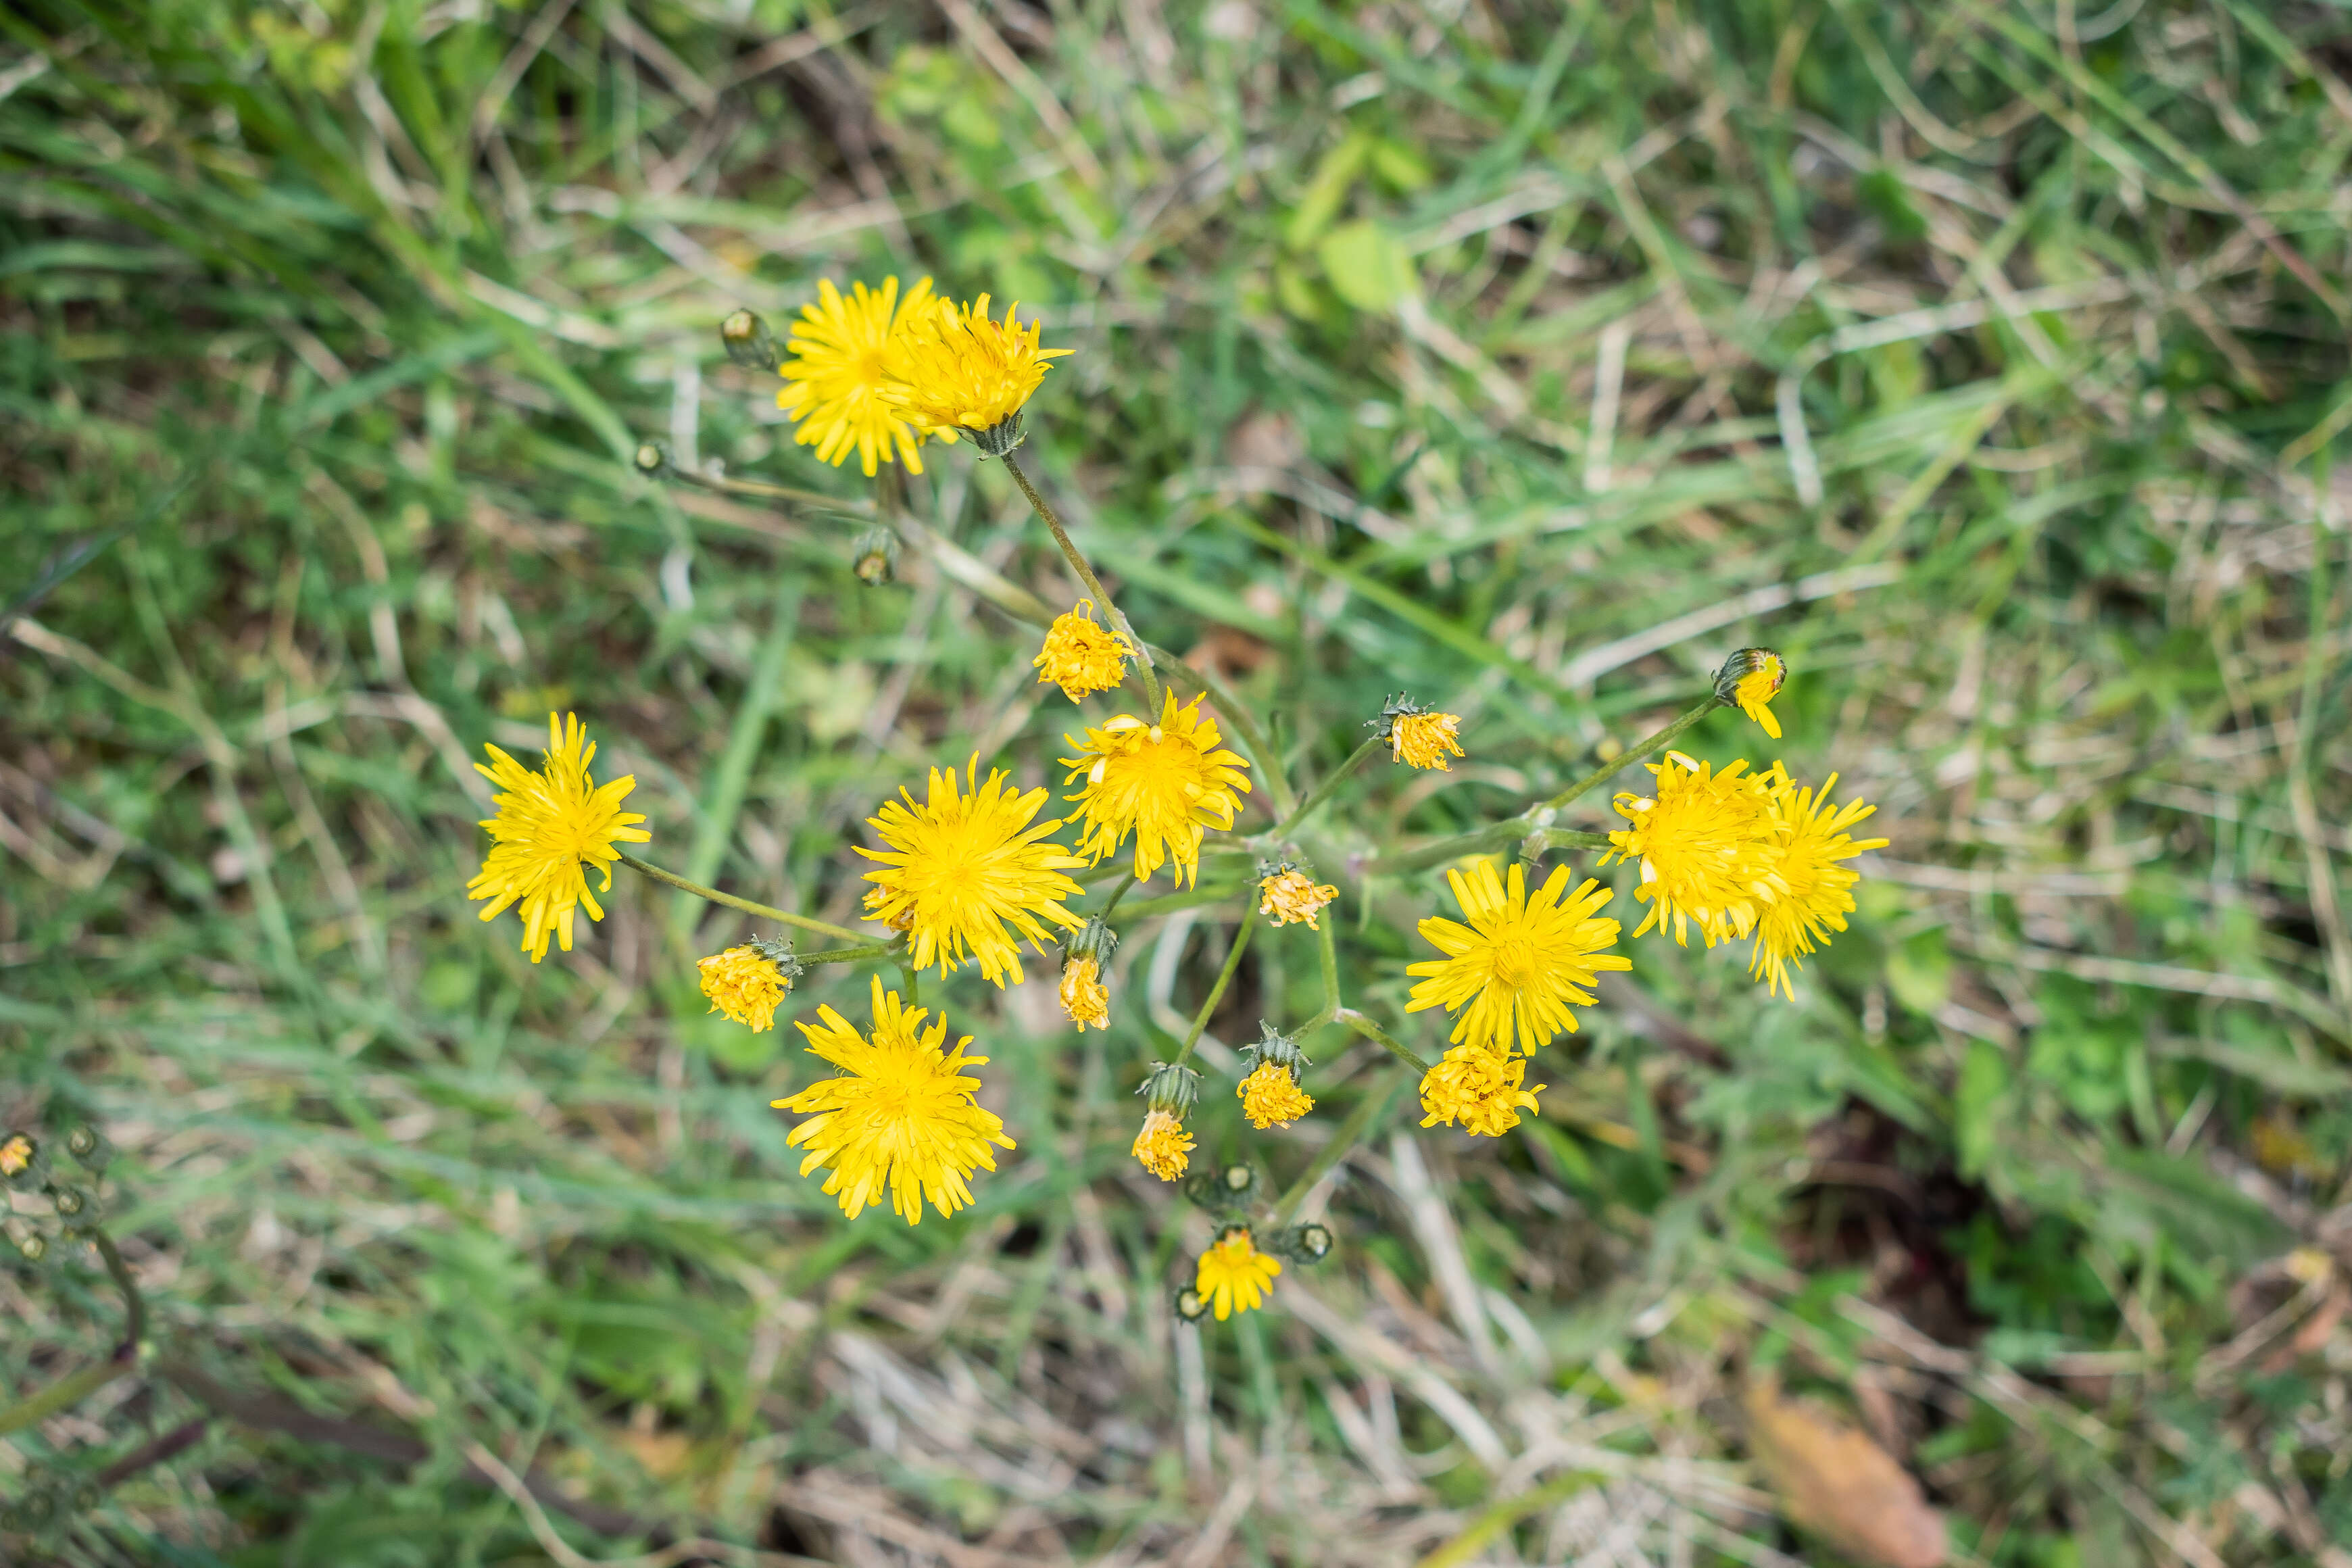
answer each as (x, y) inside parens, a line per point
(25, 1166)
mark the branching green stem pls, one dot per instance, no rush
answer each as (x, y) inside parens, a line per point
(76, 1386)
(765, 912)
(1086, 575)
(1217, 991)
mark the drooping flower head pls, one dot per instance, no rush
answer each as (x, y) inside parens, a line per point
(959, 372)
(1814, 892)
(1166, 783)
(1708, 846)
(1084, 995)
(16, 1154)
(900, 1115)
(840, 369)
(1233, 1274)
(748, 983)
(1080, 656)
(1479, 1087)
(1287, 896)
(1162, 1147)
(1749, 680)
(1418, 737)
(964, 865)
(552, 826)
(1513, 972)
(1270, 1094)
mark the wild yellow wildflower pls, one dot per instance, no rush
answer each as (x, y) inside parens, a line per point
(1233, 1274)
(1163, 1147)
(552, 825)
(1814, 893)
(1166, 783)
(1513, 972)
(1288, 896)
(835, 380)
(1080, 656)
(1479, 1087)
(958, 372)
(1707, 844)
(746, 984)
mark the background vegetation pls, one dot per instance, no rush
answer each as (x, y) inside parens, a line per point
(1986, 358)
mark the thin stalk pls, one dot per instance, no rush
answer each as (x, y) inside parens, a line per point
(1371, 1031)
(134, 1306)
(76, 1386)
(1269, 760)
(766, 911)
(1119, 892)
(1190, 898)
(1624, 760)
(849, 955)
(1217, 991)
(1328, 954)
(1322, 792)
(757, 489)
(1085, 575)
(1369, 1111)
(1544, 838)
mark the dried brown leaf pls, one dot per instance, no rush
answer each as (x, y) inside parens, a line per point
(1834, 1481)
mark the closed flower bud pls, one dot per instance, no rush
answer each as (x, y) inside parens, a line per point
(745, 337)
(1749, 681)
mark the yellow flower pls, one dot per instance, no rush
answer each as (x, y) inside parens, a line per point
(899, 1115)
(15, 1155)
(1478, 1087)
(1708, 846)
(1233, 1274)
(746, 984)
(1520, 962)
(551, 826)
(963, 864)
(1079, 656)
(1163, 1146)
(1271, 1097)
(956, 370)
(1749, 680)
(842, 351)
(1423, 740)
(1289, 897)
(1813, 896)
(1165, 784)
(1084, 995)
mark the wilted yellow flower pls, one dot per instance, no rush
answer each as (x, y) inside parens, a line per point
(1271, 1097)
(1084, 995)
(1233, 1274)
(1289, 897)
(17, 1152)
(1707, 845)
(1163, 1147)
(1520, 962)
(552, 825)
(1080, 656)
(1165, 784)
(1813, 892)
(1423, 740)
(900, 1115)
(1479, 1087)
(835, 380)
(959, 371)
(1757, 687)
(963, 865)
(746, 984)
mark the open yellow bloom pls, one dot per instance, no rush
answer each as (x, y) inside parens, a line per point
(959, 371)
(1755, 691)
(1289, 897)
(746, 984)
(1080, 656)
(1163, 1147)
(1084, 995)
(1814, 894)
(1233, 1274)
(1520, 962)
(1271, 1097)
(835, 380)
(900, 1115)
(1425, 740)
(1166, 783)
(552, 825)
(1478, 1087)
(963, 865)
(1707, 845)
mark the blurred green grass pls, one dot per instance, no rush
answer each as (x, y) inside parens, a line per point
(1446, 348)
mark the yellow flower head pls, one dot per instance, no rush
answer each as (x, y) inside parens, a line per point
(1814, 891)
(1080, 656)
(1163, 1147)
(1707, 846)
(1084, 995)
(1751, 679)
(1289, 897)
(551, 827)
(960, 371)
(1233, 1274)
(1165, 784)
(899, 1115)
(1478, 1087)
(17, 1152)
(963, 865)
(835, 380)
(746, 984)
(1520, 962)
(1425, 740)
(1271, 1097)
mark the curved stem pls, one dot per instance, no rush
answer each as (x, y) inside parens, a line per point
(1269, 760)
(1351, 1131)
(1086, 573)
(1119, 892)
(757, 489)
(1643, 748)
(1322, 792)
(1217, 991)
(766, 911)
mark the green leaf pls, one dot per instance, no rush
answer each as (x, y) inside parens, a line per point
(1366, 266)
(1976, 1102)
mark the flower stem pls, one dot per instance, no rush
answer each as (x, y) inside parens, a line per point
(1371, 1031)
(756, 489)
(1085, 575)
(849, 954)
(1322, 792)
(1361, 1121)
(1217, 991)
(76, 1386)
(766, 911)
(1544, 838)
(1624, 760)
(1117, 893)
